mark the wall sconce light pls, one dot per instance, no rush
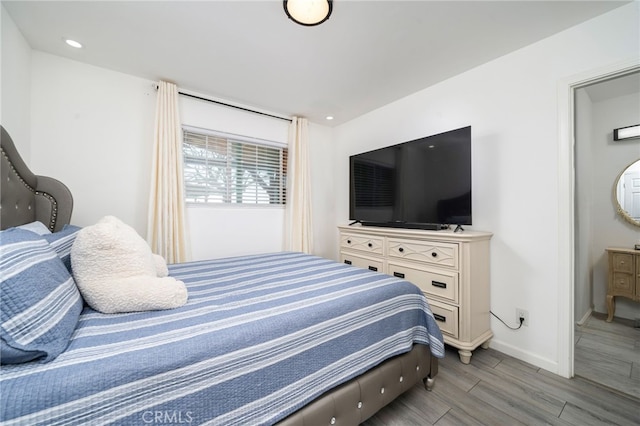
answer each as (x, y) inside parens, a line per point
(628, 132)
(308, 12)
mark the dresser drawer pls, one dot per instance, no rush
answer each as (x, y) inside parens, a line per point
(623, 262)
(362, 243)
(622, 283)
(440, 283)
(376, 265)
(446, 316)
(441, 254)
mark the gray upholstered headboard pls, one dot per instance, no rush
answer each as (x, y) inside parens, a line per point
(26, 197)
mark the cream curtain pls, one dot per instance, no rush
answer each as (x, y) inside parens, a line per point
(298, 227)
(167, 228)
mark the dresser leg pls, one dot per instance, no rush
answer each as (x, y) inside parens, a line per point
(611, 308)
(485, 345)
(465, 356)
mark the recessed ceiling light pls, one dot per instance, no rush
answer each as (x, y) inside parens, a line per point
(329, 117)
(73, 43)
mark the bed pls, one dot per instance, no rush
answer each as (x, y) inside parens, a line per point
(278, 338)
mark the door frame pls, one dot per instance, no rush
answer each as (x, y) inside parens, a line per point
(566, 202)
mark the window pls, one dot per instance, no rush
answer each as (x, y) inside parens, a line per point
(226, 169)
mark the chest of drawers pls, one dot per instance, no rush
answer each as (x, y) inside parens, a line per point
(624, 277)
(452, 269)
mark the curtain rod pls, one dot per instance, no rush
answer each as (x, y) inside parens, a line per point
(233, 106)
(229, 105)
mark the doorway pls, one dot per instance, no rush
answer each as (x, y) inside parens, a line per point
(603, 352)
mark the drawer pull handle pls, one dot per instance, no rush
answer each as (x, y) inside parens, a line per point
(401, 250)
(398, 274)
(373, 268)
(440, 318)
(370, 245)
(348, 262)
(434, 254)
(348, 241)
(438, 284)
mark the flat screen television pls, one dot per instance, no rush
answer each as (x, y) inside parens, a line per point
(421, 184)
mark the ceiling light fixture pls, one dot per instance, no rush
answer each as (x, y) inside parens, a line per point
(329, 117)
(73, 43)
(308, 12)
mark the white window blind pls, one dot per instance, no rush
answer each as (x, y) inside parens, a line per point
(221, 169)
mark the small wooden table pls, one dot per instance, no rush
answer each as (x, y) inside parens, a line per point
(624, 277)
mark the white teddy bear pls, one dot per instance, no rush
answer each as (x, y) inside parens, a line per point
(116, 271)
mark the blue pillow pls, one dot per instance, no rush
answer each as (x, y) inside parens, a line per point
(36, 227)
(39, 301)
(62, 241)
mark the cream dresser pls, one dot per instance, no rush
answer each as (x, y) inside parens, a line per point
(624, 277)
(452, 269)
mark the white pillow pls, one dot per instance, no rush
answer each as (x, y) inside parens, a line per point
(116, 271)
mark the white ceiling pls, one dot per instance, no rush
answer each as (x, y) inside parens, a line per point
(368, 54)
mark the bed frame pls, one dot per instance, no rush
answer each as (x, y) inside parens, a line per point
(358, 399)
(27, 197)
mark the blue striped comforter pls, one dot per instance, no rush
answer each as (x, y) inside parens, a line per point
(260, 337)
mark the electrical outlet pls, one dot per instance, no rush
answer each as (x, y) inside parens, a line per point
(522, 313)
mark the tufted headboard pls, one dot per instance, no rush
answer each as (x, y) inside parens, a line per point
(26, 197)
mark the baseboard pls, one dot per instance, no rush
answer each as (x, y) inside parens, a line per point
(533, 359)
(585, 317)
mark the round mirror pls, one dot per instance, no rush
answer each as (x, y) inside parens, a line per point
(626, 193)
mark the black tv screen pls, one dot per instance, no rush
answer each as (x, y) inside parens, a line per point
(414, 184)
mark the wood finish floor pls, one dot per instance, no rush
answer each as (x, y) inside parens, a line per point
(609, 353)
(496, 389)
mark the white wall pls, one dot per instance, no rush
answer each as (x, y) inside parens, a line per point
(92, 129)
(512, 105)
(15, 86)
(583, 193)
(323, 196)
(609, 159)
